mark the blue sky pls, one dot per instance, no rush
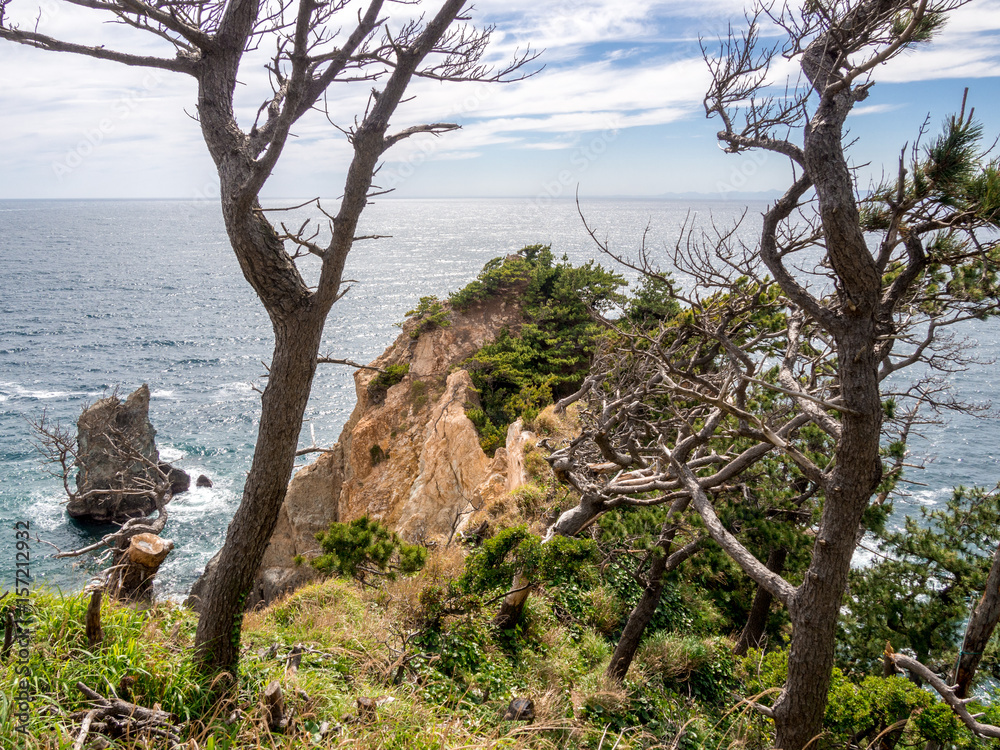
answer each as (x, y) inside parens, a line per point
(616, 110)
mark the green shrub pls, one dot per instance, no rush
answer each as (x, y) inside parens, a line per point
(363, 547)
(430, 313)
(868, 706)
(701, 667)
(381, 383)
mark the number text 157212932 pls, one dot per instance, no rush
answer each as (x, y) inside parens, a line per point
(18, 624)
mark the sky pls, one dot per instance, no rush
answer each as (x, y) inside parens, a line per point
(613, 109)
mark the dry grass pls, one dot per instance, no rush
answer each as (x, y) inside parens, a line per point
(673, 656)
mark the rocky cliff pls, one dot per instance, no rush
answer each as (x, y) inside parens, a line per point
(408, 456)
(118, 462)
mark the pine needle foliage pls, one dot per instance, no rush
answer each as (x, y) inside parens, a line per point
(522, 371)
(365, 547)
(917, 593)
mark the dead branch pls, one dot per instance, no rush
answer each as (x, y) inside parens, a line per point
(948, 695)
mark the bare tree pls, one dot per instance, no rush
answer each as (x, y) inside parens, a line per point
(786, 348)
(317, 44)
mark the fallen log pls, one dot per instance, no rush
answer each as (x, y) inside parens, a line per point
(115, 717)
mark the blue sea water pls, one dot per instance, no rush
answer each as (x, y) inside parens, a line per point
(96, 295)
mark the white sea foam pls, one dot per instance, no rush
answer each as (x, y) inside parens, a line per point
(931, 497)
(10, 390)
(169, 454)
(238, 389)
(48, 512)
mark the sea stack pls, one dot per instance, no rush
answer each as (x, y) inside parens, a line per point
(117, 454)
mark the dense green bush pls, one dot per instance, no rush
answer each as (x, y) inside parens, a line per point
(522, 371)
(364, 547)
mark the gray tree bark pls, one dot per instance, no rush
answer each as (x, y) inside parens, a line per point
(210, 42)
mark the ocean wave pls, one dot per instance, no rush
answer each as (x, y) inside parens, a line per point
(931, 497)
(240, 389)
(169, 453)
(48, 512)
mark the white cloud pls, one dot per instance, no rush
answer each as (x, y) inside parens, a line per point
(875, 109)
(610, 64)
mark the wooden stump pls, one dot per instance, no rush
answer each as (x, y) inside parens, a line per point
(95, 634)
(145, 554)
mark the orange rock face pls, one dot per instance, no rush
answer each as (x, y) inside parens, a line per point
(409, 458)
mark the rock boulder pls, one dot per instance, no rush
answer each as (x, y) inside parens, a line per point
(117, 453)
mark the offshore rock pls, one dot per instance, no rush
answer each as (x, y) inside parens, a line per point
(117, 452)
(409, 458)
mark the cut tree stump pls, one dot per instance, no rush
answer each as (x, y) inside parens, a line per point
(95, 634)
(145, 554)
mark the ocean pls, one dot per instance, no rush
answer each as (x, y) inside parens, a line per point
(99, 295)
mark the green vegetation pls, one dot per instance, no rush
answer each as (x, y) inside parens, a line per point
(363, 548)
(918, 592)
(425, 639)
(430, 313)
(524, 370)
(381, 383)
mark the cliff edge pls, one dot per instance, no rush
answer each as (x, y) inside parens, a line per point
(408, 456)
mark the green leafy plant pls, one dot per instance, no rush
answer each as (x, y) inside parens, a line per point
(381, 383)
(365, 547)
(430, 313)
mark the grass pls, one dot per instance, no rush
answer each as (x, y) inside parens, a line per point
(455, 685)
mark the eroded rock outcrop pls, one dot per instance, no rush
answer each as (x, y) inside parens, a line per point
(408, 456)
(117, 455)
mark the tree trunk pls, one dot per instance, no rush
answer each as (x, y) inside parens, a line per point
(640, 617)
(95, 634)
(569, 523)
(753, 631)
(141, 560)
(979, 630)
(512, 606)
(297, 343)
(798, 713)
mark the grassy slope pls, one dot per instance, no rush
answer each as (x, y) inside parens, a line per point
(451, 696)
